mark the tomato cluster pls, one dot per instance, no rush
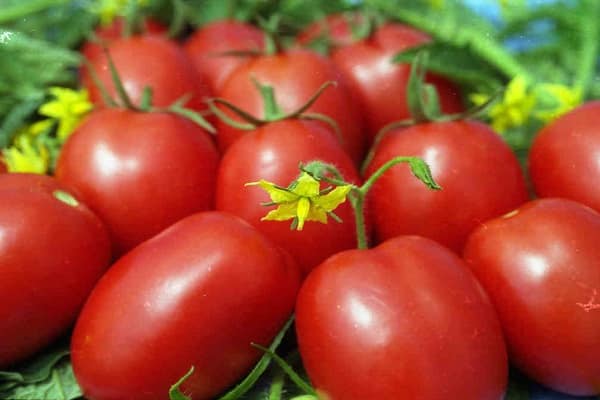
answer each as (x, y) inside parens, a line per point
(459, 283)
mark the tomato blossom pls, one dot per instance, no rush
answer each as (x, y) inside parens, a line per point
(108, 10)
(563, 98)
(67, 107)
(27, 154)
(514, 109)
(302, 200)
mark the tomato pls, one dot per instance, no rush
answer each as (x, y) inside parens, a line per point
(205, 45)
(149, 61)
(140, 172)
(295, 77)
(479, 175)
(541, 267)
(3, 168)
(52, 252)
(563, 159)
(105, 34)
(378, 84)
(197, 294)
(273, 152)
(405, 320)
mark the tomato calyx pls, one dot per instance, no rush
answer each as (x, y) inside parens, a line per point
(271, 110)
(124, 100)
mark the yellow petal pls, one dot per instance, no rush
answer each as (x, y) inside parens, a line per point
(302, 211)
(331, 200)
(283, 212)
(306, 186)
(277, 194)
(516, 90)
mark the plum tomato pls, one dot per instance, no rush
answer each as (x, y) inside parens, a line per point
(404, 320)
(380, 85)
(198, 294)
(207, 45)
(479, 174)
(295, 76)
(272, 153)
(540, 265)
(53, 250)
(149, 61)
(563, 158)
(140, 172)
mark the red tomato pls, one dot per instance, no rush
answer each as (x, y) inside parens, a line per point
(295, 76)
(151, 61)
(336, 29)
(405, 320)
(197, 294)
(205, 45)
(378, 84)
(92, 49)
(541, 267)
(140, 172)
(273, 153)
(563, 160)
(52, 252)
(479, 175)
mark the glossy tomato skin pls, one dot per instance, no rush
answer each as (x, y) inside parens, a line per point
(205, 45)
(140, 172)
(273, 153)
(149, 61)
(479, 175)
(380, 85)
(564, 157)
(541, 267)
(199, 293)
(51, 255)
(295, 77)
(405, 320)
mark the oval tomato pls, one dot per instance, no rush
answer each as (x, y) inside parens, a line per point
(198, 294)
(563, 159)
(541, 267)
(272, 153)
(206, 45)
(140, 172)
(53, 249)
(149, 61)
(295, 77)
(405, 320)
(479, 175)
(380, 85)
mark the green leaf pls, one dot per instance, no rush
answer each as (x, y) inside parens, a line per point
(422, 171)
(48, 376)
(175, 393)
(16, 117)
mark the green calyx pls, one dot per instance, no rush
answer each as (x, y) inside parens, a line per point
(271, 110)
(123, 99)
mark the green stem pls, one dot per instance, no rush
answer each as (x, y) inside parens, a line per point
(276, 387)
(358, 205)
(272, 112)
(26, 8)
(590, 32)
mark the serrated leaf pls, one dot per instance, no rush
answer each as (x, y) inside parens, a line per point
(422, 171)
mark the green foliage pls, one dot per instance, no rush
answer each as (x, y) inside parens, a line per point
(48, 376)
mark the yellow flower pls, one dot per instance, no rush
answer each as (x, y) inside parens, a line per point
(26, 154)
(564, 99)
(514, 109)
(302, 201)
(107, 10)
(67, 107)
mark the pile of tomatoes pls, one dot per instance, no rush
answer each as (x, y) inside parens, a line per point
(149, 240)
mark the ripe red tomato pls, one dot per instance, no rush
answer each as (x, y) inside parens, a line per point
(295, 76)
(563, 159)
(197, 294)
(52, 252)
(541, 267)
(405, 320)
(92, 49)
(479, 175)
(140, 172)
(378, 84)
(273, 152)
(152, 61)
(205, 45)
